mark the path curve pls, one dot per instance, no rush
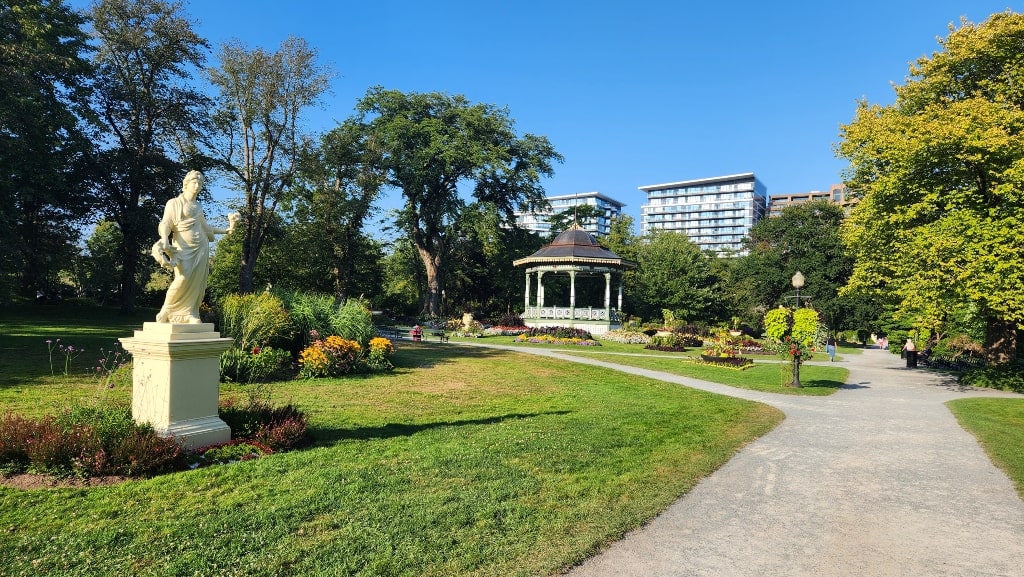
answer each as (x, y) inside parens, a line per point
(876, 480)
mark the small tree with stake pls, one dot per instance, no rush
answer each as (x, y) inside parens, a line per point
(792, 333)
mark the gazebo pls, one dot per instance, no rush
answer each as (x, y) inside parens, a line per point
(575, 254)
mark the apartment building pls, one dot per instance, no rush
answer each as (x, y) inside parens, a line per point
(601, 225)
(715, 213)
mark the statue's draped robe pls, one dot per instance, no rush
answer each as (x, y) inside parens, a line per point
(191, 234)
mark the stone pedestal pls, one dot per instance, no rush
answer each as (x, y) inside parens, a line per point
(175, 379)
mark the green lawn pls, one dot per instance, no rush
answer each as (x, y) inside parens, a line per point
(462, 461)
(999, 426)
(770, 375)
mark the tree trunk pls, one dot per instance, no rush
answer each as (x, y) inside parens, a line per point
(432, 265)
(1000, 341)
(245, 275)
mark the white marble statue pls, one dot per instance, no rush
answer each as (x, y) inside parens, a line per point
(184, 247)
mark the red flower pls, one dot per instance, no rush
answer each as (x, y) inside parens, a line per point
(255, 350)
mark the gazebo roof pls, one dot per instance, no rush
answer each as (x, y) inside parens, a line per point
(575, 246)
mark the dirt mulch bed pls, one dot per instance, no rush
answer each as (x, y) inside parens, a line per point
(30, 481)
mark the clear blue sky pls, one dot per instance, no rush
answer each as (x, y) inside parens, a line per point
(631, 93)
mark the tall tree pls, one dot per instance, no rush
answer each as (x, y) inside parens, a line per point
(335, 197)
(674, 274)
(260, 138)
(803, 237)
(150, 118)
(432, 144)
(941, 175)
(43, 71)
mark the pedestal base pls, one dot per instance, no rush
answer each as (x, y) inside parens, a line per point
(175, 380)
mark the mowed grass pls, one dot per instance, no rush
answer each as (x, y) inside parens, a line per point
(998, 425)
(462, 461)
(770, 375)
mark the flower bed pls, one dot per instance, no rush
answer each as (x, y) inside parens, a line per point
(730, 361)
(552, 340)
(626, 337)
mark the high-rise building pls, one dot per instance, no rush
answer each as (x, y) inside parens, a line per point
(597, 226)
(836, 194)
(716, 213)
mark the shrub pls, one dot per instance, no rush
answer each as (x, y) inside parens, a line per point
(1006, 377)
(255, 320)
(279, 428)
(671, 342)
(509, 320)
(85, 442)
(15, 431)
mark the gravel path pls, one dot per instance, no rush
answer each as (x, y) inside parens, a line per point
(876, 480)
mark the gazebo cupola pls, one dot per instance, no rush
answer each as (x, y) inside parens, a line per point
(576, 255)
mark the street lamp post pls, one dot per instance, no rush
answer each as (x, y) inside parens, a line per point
(798, 283)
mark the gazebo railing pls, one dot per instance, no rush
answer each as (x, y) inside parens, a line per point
(567, 313)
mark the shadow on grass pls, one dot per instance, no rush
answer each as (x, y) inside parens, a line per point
(328, 436)
(823, 384)
(409, 355)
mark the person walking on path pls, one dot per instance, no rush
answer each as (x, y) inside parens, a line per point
(830, 348)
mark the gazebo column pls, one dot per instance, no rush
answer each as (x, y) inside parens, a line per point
(540, 290)
(607, 295)
(572, 295)
(620, 294)
(526, 307)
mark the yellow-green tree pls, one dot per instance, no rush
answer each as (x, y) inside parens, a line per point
(940, 173)
(791, 333)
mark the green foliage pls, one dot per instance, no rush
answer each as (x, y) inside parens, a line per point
(940, 180)
(254, 320)
(803, 237)
(673, 275)
(43, 194)
(805, 326)
(150, 118)
(1004, 377)
(777, 323)
(255, 365)
(309, 312)
(262, 97)
(354, 321)
(432, 145)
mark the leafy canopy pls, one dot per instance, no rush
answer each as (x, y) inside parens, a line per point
(941, 177)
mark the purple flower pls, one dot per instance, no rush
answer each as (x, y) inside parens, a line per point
(49, 341)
